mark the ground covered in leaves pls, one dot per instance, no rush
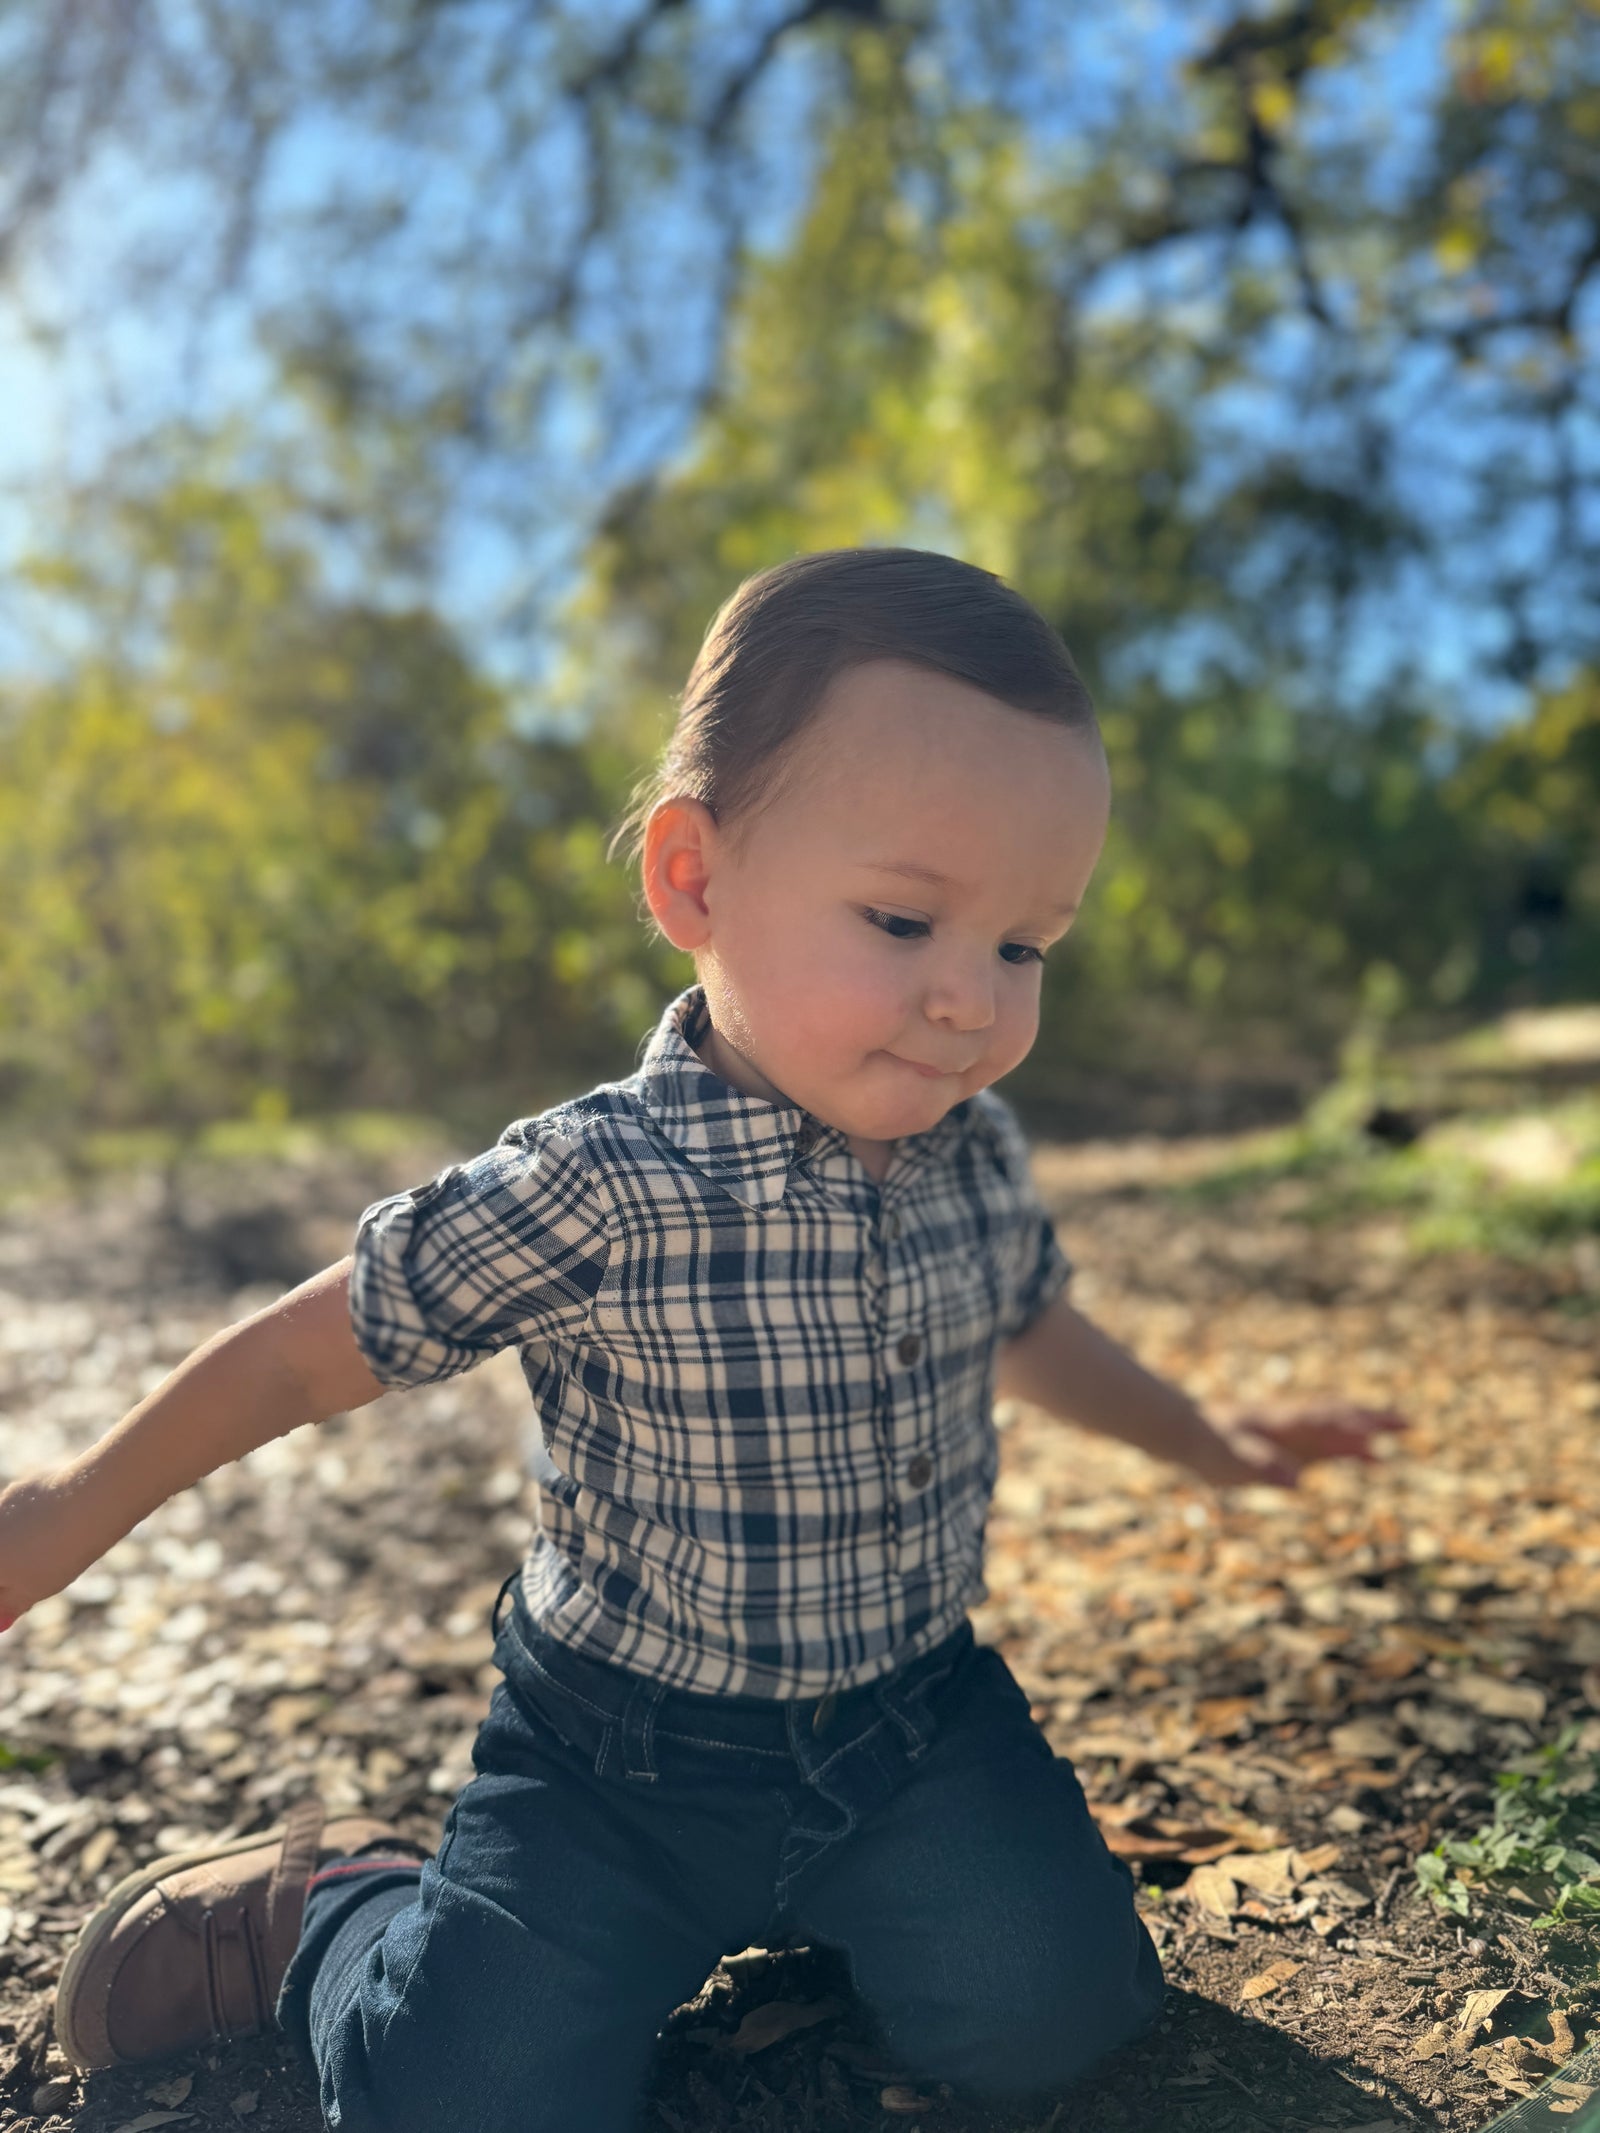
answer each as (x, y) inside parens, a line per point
(1276, 1701)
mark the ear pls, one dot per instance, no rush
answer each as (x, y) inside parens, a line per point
(680, 844)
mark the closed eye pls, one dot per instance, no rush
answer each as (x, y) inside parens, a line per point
(894, 926)
(889, 922)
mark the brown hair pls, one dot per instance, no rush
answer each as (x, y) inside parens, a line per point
(787, 633)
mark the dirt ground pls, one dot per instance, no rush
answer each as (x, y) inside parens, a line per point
(1275, 1701)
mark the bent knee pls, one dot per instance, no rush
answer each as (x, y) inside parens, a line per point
(1039, 2040)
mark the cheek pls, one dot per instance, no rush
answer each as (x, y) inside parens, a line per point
(1017, 1021)
(858, 983)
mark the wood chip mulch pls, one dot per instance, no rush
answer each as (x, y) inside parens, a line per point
(1275, 1701)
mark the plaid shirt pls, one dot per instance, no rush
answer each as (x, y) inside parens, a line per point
(763, 1381)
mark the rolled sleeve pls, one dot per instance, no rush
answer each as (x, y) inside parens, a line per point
(508, 1248)
(1047, 1277)
(1040, 1269)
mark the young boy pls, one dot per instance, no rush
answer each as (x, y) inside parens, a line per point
(765, 1291)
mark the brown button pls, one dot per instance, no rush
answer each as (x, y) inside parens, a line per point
(920, 1472)
(909, 1347)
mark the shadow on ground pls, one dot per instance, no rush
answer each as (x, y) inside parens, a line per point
(1204, 2070)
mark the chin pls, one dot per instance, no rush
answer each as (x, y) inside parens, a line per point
(901, 1120)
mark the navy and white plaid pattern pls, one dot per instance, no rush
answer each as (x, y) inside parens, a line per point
(763, 1382)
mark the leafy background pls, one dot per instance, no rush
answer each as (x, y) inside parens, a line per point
(422, 377)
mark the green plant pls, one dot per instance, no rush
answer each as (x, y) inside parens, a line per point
(16, 1759)
(1545, 1830)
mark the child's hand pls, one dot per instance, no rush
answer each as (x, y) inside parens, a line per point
(1278, 1448)
(45, 1541)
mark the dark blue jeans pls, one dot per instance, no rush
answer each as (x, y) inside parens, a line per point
(618, 1839)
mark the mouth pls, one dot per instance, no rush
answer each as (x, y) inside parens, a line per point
(929, 1073)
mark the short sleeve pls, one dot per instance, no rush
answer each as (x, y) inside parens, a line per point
(1040, 1270)
(507, 1248)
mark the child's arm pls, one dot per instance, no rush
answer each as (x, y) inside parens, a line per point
(293, 1362)
(1070, 1368)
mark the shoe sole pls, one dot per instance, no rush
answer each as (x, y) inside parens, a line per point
(97, 1928)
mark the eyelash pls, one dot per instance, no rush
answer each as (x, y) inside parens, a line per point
(884, 920)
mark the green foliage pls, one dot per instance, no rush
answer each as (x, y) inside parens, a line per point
(21, 1759)
(1272, 854)
(1544, 1836)
(1518, 1183)
(272, 840)
(263, 848)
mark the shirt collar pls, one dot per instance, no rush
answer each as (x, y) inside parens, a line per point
(746, 1143)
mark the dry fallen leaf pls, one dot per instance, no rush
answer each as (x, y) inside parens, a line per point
(1496, 1698)
(1525, 2057)
(1478, 2008)
(97, 1851)
(1316, 1861)
(1365, 1738)
(1269, 1980)
(1137, 1635)
(171, 2093)
(1210, 1889)
(1137, 1840)
(1341, 1895)
(1441, 2038)
(767, 2025)
(245, 2102)
(898, 2098)
(1447, 1732)
(1562, 2043)
(1268, 1873)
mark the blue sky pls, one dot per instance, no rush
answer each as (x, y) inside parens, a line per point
(67, 402)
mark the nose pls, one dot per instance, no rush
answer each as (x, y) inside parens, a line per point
(961, 995)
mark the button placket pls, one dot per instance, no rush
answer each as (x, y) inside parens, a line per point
(883, 1305)
(909, 1469)
(897, 1353)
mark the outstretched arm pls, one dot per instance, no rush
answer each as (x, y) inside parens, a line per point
(1067, 1366)
(295, 1361)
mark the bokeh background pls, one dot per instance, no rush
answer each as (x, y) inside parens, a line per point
(393, 391)
(390, 393)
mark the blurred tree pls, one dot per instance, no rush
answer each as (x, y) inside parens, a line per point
(1533, 794)
(1267, 848)
(1248, 342)
(523, 228)
(264, 847)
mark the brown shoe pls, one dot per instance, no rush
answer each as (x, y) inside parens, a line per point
(194, 1946)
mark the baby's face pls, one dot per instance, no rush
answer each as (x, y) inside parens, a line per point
(872, 952)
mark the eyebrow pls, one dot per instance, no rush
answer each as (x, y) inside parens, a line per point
(908, 870)
(912, 872)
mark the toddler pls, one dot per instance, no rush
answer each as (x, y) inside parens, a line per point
(765, 1292)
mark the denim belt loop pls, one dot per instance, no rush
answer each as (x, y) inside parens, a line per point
(494, 1612)
(908, 1704)
(915, 1724)
(639, 1730)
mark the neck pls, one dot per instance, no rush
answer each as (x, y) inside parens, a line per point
(722, 1058)
(714, 1050)
(874, 1156)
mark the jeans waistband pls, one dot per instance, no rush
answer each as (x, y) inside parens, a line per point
(622, 1715)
